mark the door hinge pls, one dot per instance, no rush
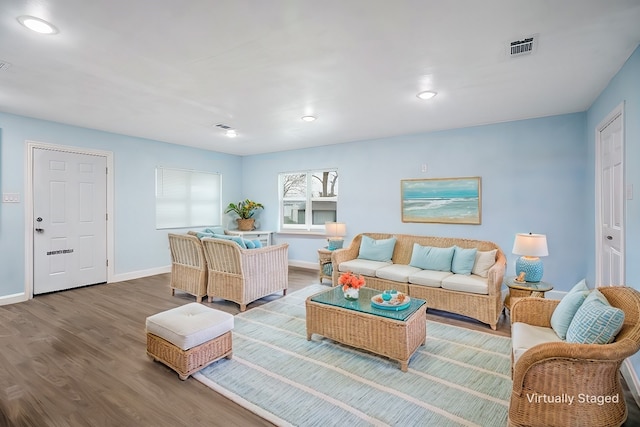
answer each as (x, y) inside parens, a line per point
(107, 263)
(106, 217)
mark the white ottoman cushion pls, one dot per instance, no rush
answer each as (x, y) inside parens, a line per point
(189, 325)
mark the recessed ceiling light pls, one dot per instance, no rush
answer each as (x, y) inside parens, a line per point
(231, 133)
(308, 118)
(38, 25)
(427, 94)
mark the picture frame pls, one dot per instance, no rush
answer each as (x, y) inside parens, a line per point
(442, 200)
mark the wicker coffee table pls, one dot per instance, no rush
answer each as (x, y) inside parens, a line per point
(394, 334)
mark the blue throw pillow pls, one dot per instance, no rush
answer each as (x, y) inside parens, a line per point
(419, 255)
(431, 258)
(217, 229)
(596, 321)
(201, 235)
(463, 260)
(257, 243)
(249, 244)
(567, 308)
(377, 250)
(239, 240)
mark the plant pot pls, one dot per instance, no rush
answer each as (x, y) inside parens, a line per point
(246, 224)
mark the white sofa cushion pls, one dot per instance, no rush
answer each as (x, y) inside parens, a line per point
(429, 278)
(463, 283)
(362, 266)
(525, 336)
(397, 272)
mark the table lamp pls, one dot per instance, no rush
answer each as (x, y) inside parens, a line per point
(335, 232)
(531, 247)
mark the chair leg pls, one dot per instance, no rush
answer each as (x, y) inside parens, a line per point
(173, 292)
(243, 307)
(284, 292)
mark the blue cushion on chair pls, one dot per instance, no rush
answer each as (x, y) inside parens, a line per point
(377, 250)
(596, 321)
(216, 229)
(567, 308)
(257, 243)
(463, 260)
(249, 244)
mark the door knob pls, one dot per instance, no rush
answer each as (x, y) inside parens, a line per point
(609, 237)
(40, 230)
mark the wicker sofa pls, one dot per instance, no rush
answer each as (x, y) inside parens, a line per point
(469, 295)
(554, 367)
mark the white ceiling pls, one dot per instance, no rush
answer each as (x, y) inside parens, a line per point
(171, 70)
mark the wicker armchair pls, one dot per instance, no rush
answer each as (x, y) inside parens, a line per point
(574, 370)
(188, 265)
(245, 275)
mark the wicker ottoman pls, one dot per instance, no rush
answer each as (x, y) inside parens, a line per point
(189, 337)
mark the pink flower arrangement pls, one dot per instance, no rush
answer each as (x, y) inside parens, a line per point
(350, 280)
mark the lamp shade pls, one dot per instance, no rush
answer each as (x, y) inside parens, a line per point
(335, 229)
(532, 245)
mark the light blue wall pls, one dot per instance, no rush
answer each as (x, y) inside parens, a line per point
(624, 87)
(138, 245)
(533, 180)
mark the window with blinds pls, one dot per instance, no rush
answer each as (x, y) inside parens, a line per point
(186, 198)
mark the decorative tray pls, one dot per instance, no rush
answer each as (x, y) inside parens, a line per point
(397, 302)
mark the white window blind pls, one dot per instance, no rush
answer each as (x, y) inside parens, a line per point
(187, 198)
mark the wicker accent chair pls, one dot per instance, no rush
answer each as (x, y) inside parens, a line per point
(188, 265)
(245, 275)
(572, 369)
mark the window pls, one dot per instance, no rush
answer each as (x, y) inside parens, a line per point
(308, 199)
(187, 198)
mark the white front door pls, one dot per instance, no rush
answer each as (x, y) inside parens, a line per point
(610, 233)
(69, 220)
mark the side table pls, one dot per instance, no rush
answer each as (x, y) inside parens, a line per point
(324, 259)
(526, 289)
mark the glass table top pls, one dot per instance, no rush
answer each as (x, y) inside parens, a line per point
(335, 297)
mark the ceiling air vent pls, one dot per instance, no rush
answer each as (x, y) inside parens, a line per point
(525, 46)
(4, 65)
(225, 127)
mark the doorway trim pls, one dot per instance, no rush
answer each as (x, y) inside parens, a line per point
(617, 111)
(28, 213)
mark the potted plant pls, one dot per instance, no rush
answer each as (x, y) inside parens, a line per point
(245, 210)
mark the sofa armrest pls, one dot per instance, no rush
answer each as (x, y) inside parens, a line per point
(341, 255)
(495, 275)
(533, 311)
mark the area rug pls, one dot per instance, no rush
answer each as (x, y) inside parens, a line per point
(459, 377)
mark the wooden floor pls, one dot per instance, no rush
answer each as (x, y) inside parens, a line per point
(77, 358)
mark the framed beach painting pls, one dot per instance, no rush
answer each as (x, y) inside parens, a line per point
(442, 200)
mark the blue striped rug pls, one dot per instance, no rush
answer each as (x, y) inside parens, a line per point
(459, 378)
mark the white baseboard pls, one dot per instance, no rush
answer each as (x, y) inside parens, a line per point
(13, 298)
(140, 273)
(304, 264)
